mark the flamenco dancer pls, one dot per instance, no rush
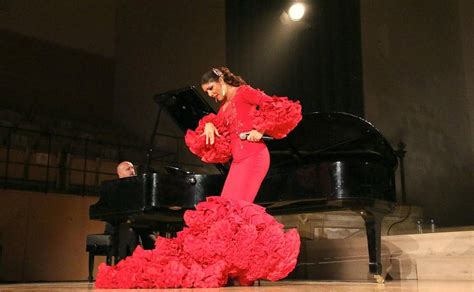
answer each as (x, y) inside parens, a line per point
(227, 238)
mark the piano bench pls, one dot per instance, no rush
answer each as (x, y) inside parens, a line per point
(99, 245)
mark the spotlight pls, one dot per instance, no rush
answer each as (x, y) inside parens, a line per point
(296, 11)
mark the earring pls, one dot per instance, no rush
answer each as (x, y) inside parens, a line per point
(224, 90)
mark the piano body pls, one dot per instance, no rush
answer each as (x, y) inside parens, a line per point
(330, 161)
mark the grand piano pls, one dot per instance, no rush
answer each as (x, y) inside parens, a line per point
(331, 161)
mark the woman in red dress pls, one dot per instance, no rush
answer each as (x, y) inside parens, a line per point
(238, 128)
(226, 237)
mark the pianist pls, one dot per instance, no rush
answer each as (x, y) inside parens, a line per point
(227, 237)
(125, 169)
(144, 237)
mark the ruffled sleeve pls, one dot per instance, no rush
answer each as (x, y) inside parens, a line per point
(220, 151)
(277, 116)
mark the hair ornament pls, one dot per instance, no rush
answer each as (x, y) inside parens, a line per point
(217, 72)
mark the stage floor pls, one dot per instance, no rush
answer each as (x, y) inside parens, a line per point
(292, 286)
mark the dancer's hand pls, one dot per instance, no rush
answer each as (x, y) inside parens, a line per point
(254, 136)
(209, 131)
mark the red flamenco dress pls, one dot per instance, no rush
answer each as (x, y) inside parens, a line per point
(224, 238)
(249, 109)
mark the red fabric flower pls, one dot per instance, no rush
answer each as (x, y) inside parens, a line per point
(224, 238)
(277, 117)
(219, 152)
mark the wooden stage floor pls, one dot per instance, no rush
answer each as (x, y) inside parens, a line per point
(291, 286)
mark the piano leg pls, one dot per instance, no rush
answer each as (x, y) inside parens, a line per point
(108, 260)
(91, 267)
(373, 225)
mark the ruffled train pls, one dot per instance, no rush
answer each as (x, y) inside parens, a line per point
(224, 239)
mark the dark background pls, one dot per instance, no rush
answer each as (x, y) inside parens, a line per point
(317, 60)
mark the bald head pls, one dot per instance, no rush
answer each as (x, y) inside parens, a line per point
(125, 169)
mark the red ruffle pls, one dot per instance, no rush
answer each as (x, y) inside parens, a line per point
(220, 151)
(223, 238)
(277, 117)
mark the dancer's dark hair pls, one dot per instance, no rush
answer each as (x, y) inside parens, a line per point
(215, 73)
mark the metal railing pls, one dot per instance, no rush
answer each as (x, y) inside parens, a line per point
(44, 161)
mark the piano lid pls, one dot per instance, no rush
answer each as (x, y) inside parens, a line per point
(317, 132)
(334, 132)
(186, 106)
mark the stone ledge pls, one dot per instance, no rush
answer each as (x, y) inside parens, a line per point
(347, 224)
(440, 255)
